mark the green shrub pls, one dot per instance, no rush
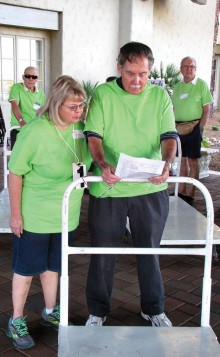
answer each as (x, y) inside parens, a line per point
(171, 75)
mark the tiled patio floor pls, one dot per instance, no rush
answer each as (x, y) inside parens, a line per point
(182, 280)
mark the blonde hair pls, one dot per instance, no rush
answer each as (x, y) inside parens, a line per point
(63, 88)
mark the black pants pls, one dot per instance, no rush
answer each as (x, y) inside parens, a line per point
(13, 136)
(107, 221)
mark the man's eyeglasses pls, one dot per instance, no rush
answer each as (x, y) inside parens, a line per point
(73, 108)
(185, 66)
(28, 76)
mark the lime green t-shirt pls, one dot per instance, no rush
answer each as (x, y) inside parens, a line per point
(29, 102)
(129, 124)
(189, 98)
(45, 162)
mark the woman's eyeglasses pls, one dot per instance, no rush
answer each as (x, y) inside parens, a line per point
(28, 76)
(73, 108)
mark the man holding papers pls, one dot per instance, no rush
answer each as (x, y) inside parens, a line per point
(133, 117)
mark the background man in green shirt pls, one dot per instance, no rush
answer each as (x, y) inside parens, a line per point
(191, 100)
(25, 98)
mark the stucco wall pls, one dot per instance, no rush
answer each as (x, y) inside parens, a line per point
(136, 21)
(182, 28)
(86, 46)
(93, 31)
(90, 39)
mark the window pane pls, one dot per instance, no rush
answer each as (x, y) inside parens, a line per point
(36, 50)
(5, 96)
(7, 69)
(24, 49)
(40, 84)
(21, 67)
(7, 87)
(16, 54)
(7, 47)
(39, 67)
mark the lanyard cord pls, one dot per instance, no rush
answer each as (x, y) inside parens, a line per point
(67, 145)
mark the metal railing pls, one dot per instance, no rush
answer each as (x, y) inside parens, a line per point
(205, 251)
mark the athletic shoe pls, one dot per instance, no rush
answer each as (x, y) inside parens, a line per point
(51, 320)
(95, 321)
(18, 332)
(158, 320)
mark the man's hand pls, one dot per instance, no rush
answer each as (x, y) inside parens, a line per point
(22, 123)
(108, 174)
(162, 178)
(108, 171)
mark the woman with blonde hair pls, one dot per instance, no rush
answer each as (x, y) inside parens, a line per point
(40, 169)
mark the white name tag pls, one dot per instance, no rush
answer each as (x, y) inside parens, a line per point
(36, 106)
(184, 96)
(79, 170)
(78, 134)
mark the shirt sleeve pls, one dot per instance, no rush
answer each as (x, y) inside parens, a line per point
(91, 133)
(169, 135)
(206, 95)
(168, 119)
(20, 162)
(95, 119)
(15, 92)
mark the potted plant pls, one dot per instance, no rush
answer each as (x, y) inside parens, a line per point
(171, 76)
(89, 88)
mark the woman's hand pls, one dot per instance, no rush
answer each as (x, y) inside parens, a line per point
(15, 193)
(16, 224)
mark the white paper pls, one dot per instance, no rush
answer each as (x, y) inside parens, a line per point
(133, 167)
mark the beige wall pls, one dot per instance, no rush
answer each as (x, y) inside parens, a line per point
(86, 45)
(91, 32)
(90, 39)
(182, 28)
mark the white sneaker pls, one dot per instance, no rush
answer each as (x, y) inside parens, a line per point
(158, 320)
(95, 321)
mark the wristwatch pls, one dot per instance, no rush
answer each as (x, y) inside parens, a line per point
(169, 163)
(20, 120)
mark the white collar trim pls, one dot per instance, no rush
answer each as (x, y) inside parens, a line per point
(26, 89)
(193, 81)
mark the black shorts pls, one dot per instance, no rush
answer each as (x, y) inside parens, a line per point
(191, 143)
(35, 253)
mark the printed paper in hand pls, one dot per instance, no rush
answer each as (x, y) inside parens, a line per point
(133, 167)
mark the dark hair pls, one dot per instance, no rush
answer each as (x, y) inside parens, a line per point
(131, 50)
(110, 79)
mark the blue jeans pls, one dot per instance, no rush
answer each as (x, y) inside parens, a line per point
(107, 222)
